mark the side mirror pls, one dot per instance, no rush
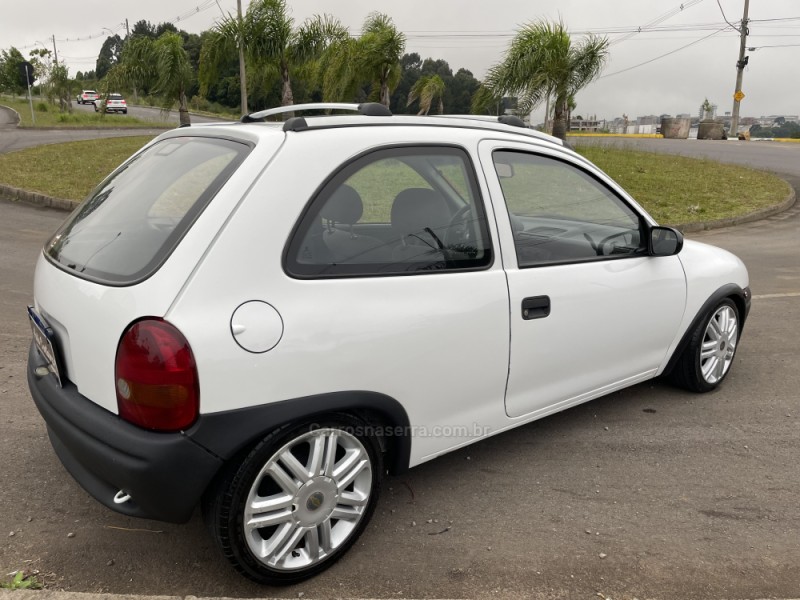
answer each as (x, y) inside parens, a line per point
(664, 241)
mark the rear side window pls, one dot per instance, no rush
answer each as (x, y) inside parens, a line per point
(394, 211)
(133, 220)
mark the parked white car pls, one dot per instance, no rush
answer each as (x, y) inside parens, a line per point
(264, 318)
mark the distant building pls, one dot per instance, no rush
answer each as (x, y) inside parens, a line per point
(769, 121)
(591, 125)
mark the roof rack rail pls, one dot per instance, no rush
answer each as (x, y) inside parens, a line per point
(511, 120)
(370, 109)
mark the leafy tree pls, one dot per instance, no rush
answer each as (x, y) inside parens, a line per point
(218, 72)
(460, 91)
(145, 28)
(164, 27)
(438, 67)
(411, 70)
(543, 62)
(427, 89)
(12, 77)
(109, 55)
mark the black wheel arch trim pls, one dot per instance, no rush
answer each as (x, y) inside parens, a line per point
(740, 296)
(229, 432)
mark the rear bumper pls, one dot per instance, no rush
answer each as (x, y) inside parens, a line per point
(165, 474)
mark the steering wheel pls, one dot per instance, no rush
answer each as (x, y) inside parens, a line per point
(458, 231)
(599, 247)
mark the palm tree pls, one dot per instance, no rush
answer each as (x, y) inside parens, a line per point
(137, 64)
(373, 58)
(173, 72)
(426, 89)
(543, 61)
(272, 45)
(382, 47)
(162, 64)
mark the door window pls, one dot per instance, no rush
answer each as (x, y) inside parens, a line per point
(400, 210)
(560, 213)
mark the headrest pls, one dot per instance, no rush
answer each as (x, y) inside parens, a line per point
(344, 206)
(414, 209)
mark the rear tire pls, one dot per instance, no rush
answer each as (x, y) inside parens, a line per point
(298, 501)
(707, 359)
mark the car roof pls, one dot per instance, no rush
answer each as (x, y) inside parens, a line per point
(376, 115)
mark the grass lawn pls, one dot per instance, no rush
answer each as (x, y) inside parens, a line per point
(673, 189)
(69, 170)
(48, 115)
(677, 189)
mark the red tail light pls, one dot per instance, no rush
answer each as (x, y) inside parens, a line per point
(156, 377)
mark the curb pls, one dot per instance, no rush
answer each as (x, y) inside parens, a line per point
(757, 215)
(16, 114)
(13, 194)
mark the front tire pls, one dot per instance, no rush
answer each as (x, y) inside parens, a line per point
(298, 501)
(708, 357)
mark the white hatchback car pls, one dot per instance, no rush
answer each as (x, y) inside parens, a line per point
(264, 318)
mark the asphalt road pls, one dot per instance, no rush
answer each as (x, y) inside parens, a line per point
(12, 138)
(687, 496)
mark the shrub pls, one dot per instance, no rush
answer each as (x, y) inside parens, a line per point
(41, 107)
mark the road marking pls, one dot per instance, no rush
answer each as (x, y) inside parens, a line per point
(786, 295)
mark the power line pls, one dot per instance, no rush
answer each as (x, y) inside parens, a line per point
(724, 17)
(108, 31)
(660, 19)
(751, 48)
(647, 62)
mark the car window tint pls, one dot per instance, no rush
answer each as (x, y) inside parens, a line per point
(560, 213)
(133, 220)
(379, 183)
(402, 210)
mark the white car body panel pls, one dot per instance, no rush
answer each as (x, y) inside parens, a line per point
(418, 339)
(439, 344)
(592, 339)
(90, 318)
(707, 269)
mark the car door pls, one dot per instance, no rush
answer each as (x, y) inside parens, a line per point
(590, 310)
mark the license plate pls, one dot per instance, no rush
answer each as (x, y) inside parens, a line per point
(45, 341)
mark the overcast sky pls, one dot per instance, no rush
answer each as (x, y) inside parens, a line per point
(475, 34)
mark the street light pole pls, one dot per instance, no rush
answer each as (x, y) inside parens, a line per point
(740, 65)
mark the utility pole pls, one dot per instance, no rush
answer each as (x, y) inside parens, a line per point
(242, 74)
(128, 37)
(55, 52)
(738, 95)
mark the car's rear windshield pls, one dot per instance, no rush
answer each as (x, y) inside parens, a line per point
(134, 219)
